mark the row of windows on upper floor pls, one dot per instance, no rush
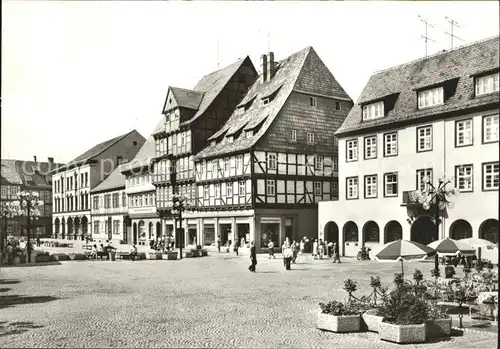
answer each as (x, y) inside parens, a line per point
(136, 180)
(464, 181)
(463, 137)
(9, 192)
(435, 96)
(72, 203)
(111, 200)
(175, 144)
(81, 181)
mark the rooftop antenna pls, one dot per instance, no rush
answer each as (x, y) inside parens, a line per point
(268, 42)
(426, 37)
(453, 24)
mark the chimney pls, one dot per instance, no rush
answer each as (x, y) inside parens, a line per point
(34, 157)
(119, 160)
(263, 64)
(270, 66)
(51, 160)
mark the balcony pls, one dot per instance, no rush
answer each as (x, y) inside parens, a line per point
(410, 198)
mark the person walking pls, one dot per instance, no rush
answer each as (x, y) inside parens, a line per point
(133, 252)
(270, 249)
(253, 257)
(336, 254)
(218, 243)
(236, 247)
(295, 252)
(37, 241)
(287, 256)
(302, 245)
(315, 249)
(321, 249)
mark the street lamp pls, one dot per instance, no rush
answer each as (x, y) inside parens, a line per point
(7, 211)
(177, 208)
(29, 206)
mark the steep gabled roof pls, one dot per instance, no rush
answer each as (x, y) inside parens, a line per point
(459, 65)
(9, 172)
(143, 157)
(295, 72)
(96, 150)
(29, 173)
(115, 181)
(187, 98)
(212, 84)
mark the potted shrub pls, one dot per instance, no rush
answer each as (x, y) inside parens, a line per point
(439, 323)
(171, 255)
(339, 317)
(204, 252)
(405, 314)
(42, 257)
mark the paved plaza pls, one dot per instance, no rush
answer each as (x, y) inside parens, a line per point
(203, 302)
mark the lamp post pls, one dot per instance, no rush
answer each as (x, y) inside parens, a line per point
(177, 207)
(28, 205)
(7, 211)
(437, 197)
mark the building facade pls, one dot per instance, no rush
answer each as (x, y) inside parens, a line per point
(265, 170)
(109, 210)
(33, 176)
(437, 117)
(190, 117)
(144, 222)
(72, 183)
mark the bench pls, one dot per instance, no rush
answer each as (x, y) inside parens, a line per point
(87, 247)
(126, 255)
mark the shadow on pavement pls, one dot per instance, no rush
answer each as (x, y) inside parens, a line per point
(27, 265)
(12, 300)
(7, 328)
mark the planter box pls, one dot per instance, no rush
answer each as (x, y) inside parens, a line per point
(43, 258)
(22, 259)
(153, 255)
(346, 323)
(204, 253)
(77, 256)
(191, 254)
(371, 321)
(171, 256)
(402, 333)
(60, 257)
(438, 328)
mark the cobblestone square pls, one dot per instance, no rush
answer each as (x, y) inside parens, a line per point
(203, 302)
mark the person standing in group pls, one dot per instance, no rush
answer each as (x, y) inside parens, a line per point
(295, 251)
(321, 249)
(336, 254)
(315, 249)
(270, 249)
(330, 249)
(287, 256)
(236, 246)
(253, 257)
(302, 245)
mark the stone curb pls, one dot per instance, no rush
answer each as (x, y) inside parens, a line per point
(473, 330)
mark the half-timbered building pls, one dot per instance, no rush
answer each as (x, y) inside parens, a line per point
(190, 117)
(144, 221)
(265, 170)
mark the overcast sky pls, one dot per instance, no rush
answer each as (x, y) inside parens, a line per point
(75, 74)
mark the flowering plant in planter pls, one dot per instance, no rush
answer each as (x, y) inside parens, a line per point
(339, 317)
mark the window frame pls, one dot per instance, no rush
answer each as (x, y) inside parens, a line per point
(418, 178)
(293, 136)
(272, 161)
(440, 90)
(386, 195)
(385, 144)
(364, 147)
(369, 109)
(347, 188)
(311, 139)
(206, 191)
(338, 105)
(268, 186)
(317, 185)
(229, 190)
(457, 177)
(483, 179)
(483, 127)
(241, 184)
(318, 163)
(457, 145)
(365, 191)
(431, 138)
(347, 150)
(313, 102)
(487, 76)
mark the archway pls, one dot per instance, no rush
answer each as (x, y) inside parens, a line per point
(70, 228)
(158, 231)
(488, 230)
(85, 227)
(393, 231)
(331, 232)
(350, 233)
(76, 224)
(150, 230)
(134, 232)
(371, 232)
(460, 229)
(56, 228)
(423, 230)
(142, 231)
(63, 228)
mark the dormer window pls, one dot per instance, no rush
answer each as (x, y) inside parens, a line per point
(430, 98)
(248, 134)
(487, 84)
(230, 139)
(240, 110)
(373, 111)
(266, 101)
(213, 143)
